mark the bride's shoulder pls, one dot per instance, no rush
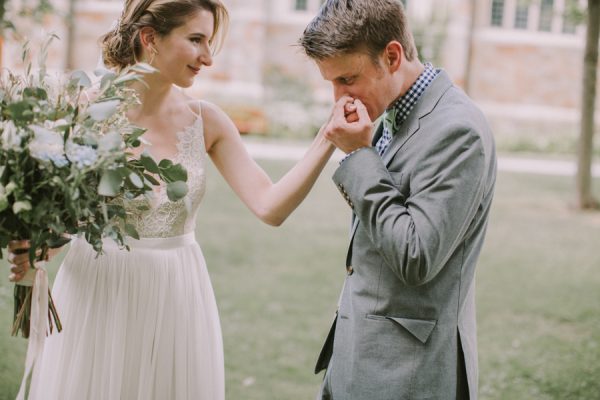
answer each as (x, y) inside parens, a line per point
(213, 116)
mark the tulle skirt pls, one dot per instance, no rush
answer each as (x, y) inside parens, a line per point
(138, 325)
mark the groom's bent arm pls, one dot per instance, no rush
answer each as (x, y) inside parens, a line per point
(417, 232)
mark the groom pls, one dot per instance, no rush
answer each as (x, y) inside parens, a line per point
(420, 191)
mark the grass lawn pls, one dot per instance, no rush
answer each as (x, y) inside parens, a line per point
(538, 292)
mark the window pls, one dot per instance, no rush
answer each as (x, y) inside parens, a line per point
(546, 15)
(497, 12)
(301, 5)
(522, 14)
(555, 16)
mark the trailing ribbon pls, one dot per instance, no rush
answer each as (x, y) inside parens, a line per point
(37, 277)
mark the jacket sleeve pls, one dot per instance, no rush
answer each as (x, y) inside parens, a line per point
(417, 233)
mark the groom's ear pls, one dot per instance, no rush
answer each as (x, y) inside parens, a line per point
(392, 56)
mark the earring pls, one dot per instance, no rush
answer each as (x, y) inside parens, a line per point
(153, 53)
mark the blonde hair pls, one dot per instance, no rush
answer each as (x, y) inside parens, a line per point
(122, 47)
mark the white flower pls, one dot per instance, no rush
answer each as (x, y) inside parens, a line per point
(11, 136)
(81, 156)
(47, 146)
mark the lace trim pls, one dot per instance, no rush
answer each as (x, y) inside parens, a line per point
(157, 216)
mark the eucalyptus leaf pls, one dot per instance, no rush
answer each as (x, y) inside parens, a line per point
(165, 163)
(37, 93)
(176, 190)
(101, 71)
(19, 110)
(143, 68)
(104, 110)
(131, 231)
(110, 183)
(124, 172)
(175, 172)
(60, 241)
(81, 78)
(131, 76)
(149, 163)
(136, 180)
(107, 79)
(151, 179)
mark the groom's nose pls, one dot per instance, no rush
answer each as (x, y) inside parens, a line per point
(339, 91)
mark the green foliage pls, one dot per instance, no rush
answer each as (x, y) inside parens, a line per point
(575, 13)
(291, 108)
(277, 288)
(66, 160)
(430, 34)
(34, 10)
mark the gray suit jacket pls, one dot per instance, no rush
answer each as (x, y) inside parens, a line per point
(407, 311)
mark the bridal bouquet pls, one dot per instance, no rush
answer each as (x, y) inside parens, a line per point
(66, 165)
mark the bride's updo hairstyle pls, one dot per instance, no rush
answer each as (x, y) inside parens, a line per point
(121, 47)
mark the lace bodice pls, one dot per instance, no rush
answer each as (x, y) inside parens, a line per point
(162, 217)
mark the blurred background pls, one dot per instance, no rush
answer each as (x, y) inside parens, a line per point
(520, 60)
(538, 283)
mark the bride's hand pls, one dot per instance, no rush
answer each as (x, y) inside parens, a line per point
(350, 112)
(18, 257)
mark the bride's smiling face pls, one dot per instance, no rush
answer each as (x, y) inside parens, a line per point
(180, 55)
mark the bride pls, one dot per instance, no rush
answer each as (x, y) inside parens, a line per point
(143, 324)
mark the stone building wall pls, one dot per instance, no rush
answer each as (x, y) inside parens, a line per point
(528, 82)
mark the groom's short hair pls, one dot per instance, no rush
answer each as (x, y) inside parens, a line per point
(347, 26)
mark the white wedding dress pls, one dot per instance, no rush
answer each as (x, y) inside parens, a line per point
(139, 324)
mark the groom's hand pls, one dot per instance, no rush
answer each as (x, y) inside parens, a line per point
(350, 127)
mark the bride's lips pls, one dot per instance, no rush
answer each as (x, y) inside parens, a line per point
(194, 69)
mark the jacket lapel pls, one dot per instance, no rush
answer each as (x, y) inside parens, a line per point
(424, 106)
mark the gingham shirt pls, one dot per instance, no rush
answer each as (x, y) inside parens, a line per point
(404, 106)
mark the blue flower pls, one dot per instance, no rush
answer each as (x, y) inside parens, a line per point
(81, 156)
(47, 146)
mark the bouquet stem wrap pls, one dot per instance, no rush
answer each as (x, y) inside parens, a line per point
(37, 296)
(24, 293)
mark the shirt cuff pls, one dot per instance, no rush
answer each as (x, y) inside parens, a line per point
(351, 153)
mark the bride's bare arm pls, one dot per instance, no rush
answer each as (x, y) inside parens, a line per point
(271, 202)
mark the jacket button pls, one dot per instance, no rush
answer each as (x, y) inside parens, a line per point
(349, 270)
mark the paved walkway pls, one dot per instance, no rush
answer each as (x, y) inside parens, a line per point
(544, 166)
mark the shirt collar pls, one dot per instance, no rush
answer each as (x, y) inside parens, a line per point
(406, 102)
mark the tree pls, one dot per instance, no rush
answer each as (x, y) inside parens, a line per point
(586, 137)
